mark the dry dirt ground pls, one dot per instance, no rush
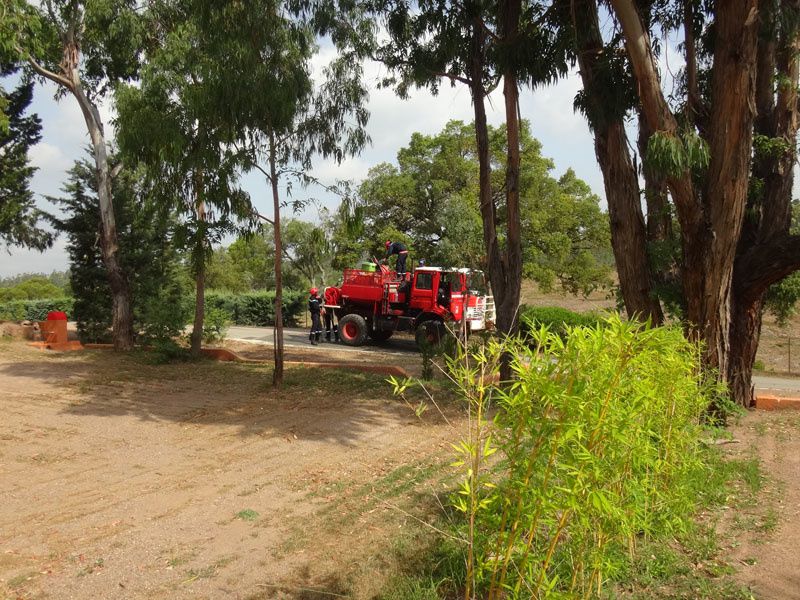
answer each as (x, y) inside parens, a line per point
(123, 479)
(762, 540)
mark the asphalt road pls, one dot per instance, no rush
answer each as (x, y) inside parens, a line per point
(402, 345)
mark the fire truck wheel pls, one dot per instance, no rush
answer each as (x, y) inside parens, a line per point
(353, 329)
(430, 332)
(380, 335)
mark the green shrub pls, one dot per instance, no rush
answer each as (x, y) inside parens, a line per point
(215, 325)
(163, 319)
(556, 319)
(258, 308)
(598, 445)
(34, 310)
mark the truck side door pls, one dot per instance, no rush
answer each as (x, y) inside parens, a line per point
(422, 294)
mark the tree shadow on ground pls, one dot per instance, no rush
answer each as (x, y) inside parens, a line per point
(319, 404)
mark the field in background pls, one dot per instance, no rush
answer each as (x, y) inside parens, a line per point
(778, 352)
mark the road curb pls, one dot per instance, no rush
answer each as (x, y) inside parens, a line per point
(773, 402)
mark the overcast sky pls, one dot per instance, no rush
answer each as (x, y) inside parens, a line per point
(564, 135)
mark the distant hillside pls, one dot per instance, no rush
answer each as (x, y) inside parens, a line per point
(58, 278)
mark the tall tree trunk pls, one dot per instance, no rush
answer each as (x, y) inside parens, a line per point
(200, 268)
(199, 308)
(488, 209)
(711, 223)
(745, 336)
(730, 142)
(628, 235)
(277, 375)
(769, 216)
(122, 317)
(511, 12)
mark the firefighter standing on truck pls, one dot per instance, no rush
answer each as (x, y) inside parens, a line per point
(400, 249)
(330, 297)
(315, 308)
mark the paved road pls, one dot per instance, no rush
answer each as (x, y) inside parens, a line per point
(403, 344)
(780, 385)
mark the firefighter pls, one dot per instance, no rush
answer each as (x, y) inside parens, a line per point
(315, 308)
(330, 297)
(400, 249)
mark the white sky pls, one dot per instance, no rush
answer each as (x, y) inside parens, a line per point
(564, 135)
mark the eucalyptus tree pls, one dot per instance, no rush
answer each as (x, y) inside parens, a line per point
(84, 48)
(719, 149)
(480, 45)
(607, 98)
(173, 121)
(263, 93)
(19, 217)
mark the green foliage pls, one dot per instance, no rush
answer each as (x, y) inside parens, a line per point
(556, 319)
(163, 316)
(19, 218)
(60, 279)
(215, 325)
(35, 310)
(598, 445)
(429, 201)
(782, 298)
(257, 308)
(147, 253)
(671, 155)
(766, 147)
(32, 288)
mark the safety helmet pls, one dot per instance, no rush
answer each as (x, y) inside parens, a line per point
(388, 243)
(313, 291)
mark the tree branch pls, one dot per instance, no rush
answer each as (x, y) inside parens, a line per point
(451, 77)
(764, 264)
(55, 77)
(260, 216)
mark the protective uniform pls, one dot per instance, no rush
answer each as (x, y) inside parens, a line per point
(329, 296)
(400, 249)
(314, 307)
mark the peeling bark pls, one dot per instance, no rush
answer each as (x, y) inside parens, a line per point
(628, 236)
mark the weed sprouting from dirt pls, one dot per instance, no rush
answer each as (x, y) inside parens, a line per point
(247, 514)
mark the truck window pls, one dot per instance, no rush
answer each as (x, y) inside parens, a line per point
(476, 283)
(424, 281)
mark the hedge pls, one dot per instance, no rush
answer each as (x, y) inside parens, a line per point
(34, 310)
(254, 308)
(557, 319)
(258, 308)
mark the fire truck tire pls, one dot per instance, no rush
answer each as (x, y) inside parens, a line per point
(380, 335)
(431, 332)
(353, 330)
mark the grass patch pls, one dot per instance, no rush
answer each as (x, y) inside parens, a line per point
(20, 580)
(248, 514)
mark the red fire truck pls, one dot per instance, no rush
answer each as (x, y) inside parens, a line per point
(375, 303)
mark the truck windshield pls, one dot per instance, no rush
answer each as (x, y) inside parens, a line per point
(476, 283)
